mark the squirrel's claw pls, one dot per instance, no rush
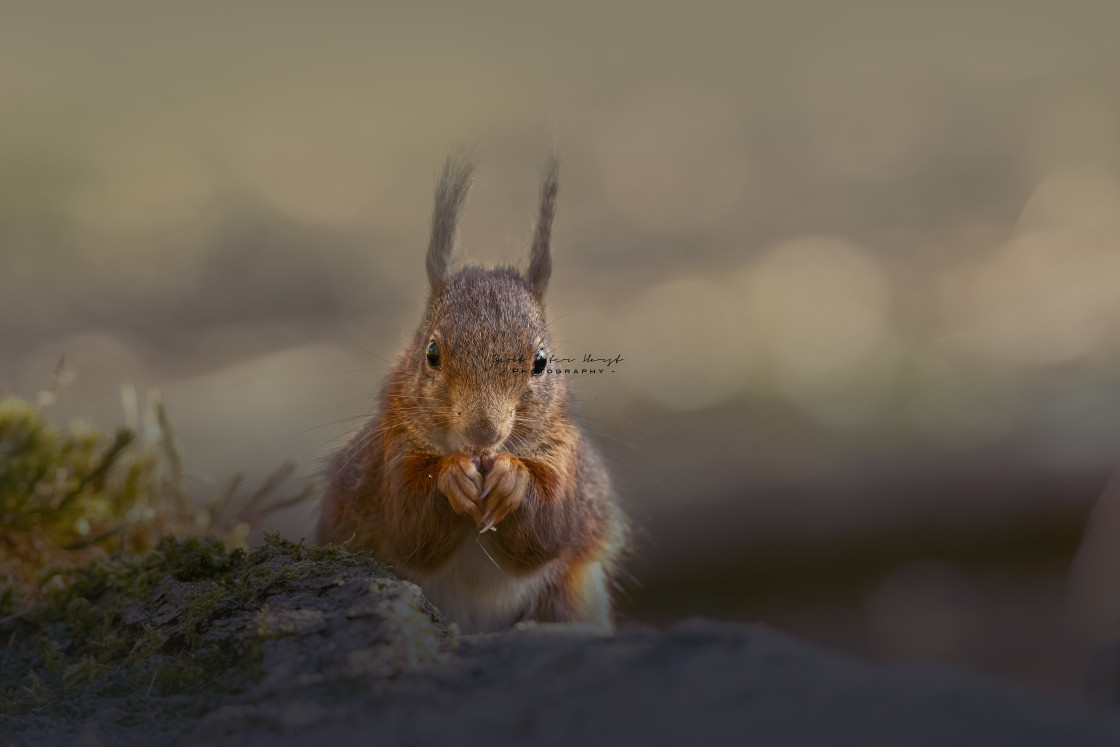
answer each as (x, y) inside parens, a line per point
(504, 488)
(460, 482)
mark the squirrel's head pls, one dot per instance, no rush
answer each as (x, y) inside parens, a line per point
(478, 364)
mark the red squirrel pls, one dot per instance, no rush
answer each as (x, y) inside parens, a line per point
(474, 478)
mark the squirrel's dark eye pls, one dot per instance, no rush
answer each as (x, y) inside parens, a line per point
(433, 354)
(539, 363)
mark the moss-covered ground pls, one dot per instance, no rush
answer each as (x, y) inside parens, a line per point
(118, 588)
(182, 618)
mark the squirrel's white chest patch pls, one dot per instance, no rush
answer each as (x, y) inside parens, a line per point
(473, 590)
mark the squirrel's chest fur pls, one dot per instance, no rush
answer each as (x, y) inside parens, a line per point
(474, 591)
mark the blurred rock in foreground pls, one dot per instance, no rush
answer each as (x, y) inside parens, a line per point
(290, 645)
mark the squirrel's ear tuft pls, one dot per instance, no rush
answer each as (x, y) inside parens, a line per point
(540, 255)
(454, 183)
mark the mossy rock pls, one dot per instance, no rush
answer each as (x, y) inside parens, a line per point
(175, 629)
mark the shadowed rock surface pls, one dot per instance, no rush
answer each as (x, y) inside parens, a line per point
(316, 645)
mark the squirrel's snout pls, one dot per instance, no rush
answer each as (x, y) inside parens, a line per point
(483, 432)
(488, 428)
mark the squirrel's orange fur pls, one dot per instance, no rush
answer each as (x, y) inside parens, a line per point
(473, 438)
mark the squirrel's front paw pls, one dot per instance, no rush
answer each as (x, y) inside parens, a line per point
(503, 489)
(460, 480)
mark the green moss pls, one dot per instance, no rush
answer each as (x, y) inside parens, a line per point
(86, 671)
(70, 495)
(103, 590)
(9, 597)
(150, 623)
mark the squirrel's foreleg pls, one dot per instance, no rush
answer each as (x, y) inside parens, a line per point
(530, 509)
(427, 524)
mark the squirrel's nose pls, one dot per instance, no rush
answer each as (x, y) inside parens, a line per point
(483, 432)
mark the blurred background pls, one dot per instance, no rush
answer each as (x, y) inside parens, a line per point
(861, 262)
